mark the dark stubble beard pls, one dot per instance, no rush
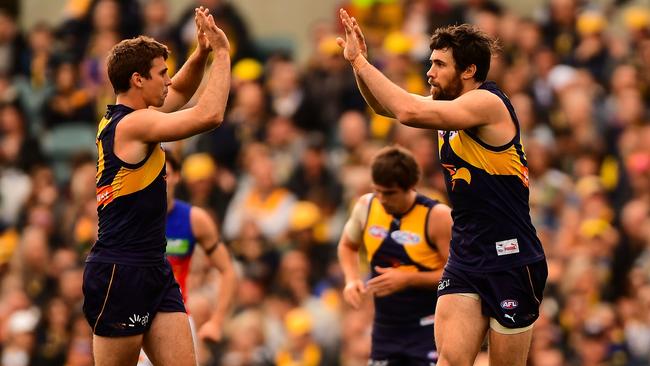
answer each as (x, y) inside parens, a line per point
(452, 91)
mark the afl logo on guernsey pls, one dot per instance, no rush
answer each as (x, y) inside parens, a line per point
(509, 304)
(405, 237)
(378, 232)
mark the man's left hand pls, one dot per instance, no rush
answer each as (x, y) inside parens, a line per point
(202, 41)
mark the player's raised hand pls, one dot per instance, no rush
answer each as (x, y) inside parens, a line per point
(202, 40)
(215, 36)
(389, 281)
(353, 293)
(354, 43)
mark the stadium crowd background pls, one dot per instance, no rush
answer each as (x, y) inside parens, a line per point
(280, 174)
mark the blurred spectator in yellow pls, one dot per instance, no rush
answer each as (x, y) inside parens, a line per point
(259, 199)
(300, 349)
(204, 185)
(69, 102)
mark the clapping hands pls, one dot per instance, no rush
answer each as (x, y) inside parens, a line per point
(209, 35)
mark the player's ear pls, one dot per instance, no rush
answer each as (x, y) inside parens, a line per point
(469, 72)
(136, 79)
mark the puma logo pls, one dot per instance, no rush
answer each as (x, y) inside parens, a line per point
(511, 317)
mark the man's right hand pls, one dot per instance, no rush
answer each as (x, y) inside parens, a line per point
(353, 293)
(216, 37)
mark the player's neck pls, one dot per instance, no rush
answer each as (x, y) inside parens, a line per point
(470, 85)
(131, 99)
(409, 203)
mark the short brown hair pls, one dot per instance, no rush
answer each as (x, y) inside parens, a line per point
(469, 45)
(130, 56)
(395, 166)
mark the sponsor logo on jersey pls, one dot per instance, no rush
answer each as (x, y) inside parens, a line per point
(509, 304)
(511, 317)
(405, 237)
(377, 231)
(505, 247)
(377, 362)
(136, 319)
(177, 246)
(104, 195)
(444, 283)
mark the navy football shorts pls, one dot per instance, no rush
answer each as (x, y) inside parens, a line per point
(403, 346)
(122, 300)
(510, 297)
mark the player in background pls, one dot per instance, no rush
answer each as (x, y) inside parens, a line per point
(406, 237)
(186, 227)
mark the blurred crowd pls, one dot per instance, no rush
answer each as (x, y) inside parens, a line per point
(280, 175)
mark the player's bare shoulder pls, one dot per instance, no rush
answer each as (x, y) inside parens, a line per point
(365, 199)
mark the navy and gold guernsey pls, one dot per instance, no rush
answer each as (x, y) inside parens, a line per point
(488, 191)
(131, 201)
(402, 242)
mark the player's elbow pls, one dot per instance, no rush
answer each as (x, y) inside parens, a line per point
(212, 119)
(407, 115)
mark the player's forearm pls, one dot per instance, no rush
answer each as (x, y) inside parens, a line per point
(212, 103)
(396, 101)
(349, 261)
(226, 294)
(370, 99)
(189, 77)
(424, 279)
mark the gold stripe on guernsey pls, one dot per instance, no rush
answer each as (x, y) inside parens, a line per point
(377, 226)
(100, 149)
(505, 162)
(102, 124)
(100, 161)
(129, 181)
(421, 252)
(108, 291)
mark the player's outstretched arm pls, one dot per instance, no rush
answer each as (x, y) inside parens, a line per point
(473, 109)
(353, 45)
(348, 253)
(207, 235)
(187, 79)
(150, 126)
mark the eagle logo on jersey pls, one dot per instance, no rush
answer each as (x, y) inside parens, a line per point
(458, 174)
